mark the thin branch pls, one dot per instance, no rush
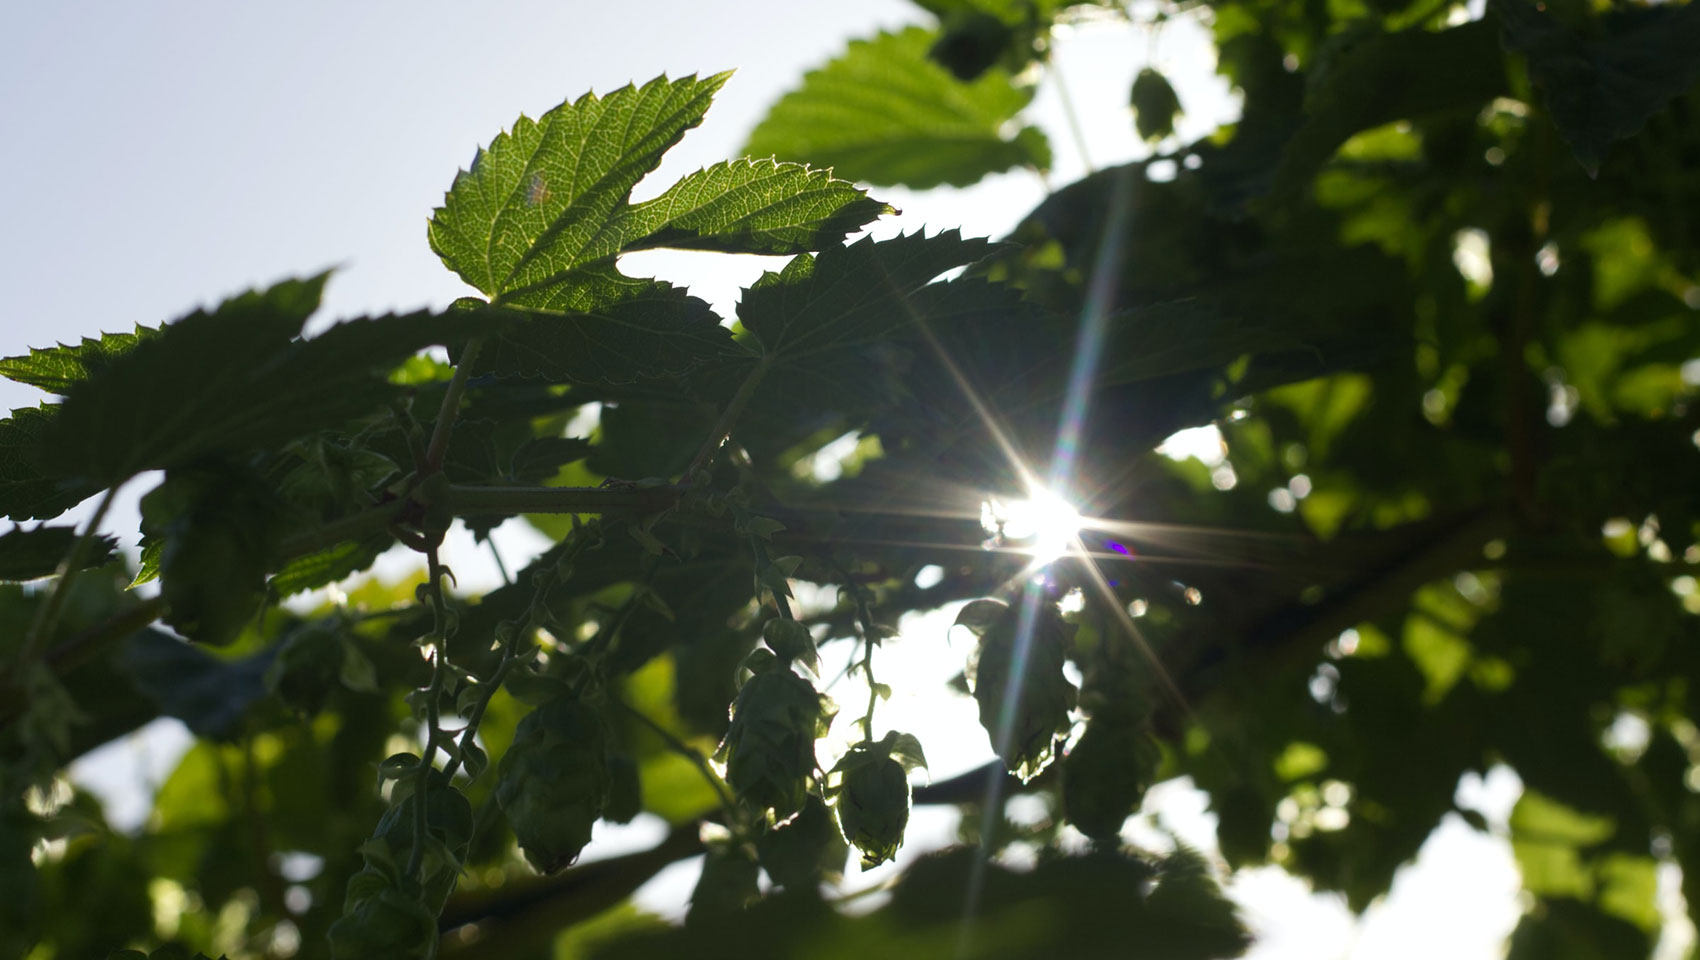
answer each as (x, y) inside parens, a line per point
(465, 500)
(439, 447)
(1074, 127)
(437, 641)
(352, 527)
(728, 418)
(47, 617)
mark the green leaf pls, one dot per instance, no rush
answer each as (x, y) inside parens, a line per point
(1363, 82)
(752, 206)
(56, 369)
(541, 200)
(327, 566)
(234, 379)
(540, 458)
(28, 489)
(886, 114)
(604, 328)
(211, 695)
(905, 748)
(28, 554)
(1601, 91)
(848, 296)
(357, 672)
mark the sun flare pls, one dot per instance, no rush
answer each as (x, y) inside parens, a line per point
(1044, 525)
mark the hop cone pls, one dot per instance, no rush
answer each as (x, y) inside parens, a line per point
(448, 817)
(555, 781)
(1024, 720)
(770, 746)
(873, 808)
(387, 925)
(1105, 775)
(1155, 105)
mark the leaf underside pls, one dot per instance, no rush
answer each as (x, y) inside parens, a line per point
(886, 114)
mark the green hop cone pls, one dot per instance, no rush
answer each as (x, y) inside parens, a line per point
(217, 531)
(1155, 105)
(555, 781)
(1025, 718)
(800, 854)
(448, 822)
(770, 746)
(728, 883)
(306, 668)
(873, 808)
(386, 924)
(790, 641)
(1105, 776)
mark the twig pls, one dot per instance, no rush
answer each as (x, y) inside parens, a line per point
(728, 418)
(465, 500)
(437, 641)
(47, 617)
(440, 432)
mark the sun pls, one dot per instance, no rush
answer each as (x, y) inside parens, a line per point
(1044, 525)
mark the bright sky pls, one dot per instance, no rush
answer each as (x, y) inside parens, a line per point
(167, 154)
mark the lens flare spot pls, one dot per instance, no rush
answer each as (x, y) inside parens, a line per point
(1044, 525)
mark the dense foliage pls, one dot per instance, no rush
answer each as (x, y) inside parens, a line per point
(1437, 289)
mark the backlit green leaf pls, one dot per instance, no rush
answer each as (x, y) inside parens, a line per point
(1378, 78)
(28, 489)
(238, 379)
(28, 554)
(55, 369)
(847, 296)
(886, 114)
(604, 327)
(752, 206)
(1600, 91)
(540, 200)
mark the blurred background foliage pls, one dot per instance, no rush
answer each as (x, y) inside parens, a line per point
(1437, 289)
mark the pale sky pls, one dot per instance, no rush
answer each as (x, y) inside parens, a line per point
(164, 155)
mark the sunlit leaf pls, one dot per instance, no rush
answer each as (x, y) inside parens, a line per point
(752, 206)
(849, 296)
(57, 369)
(239, 380)
(540, 200)
(885, 113)
(603, 327)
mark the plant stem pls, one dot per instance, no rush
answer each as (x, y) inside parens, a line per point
(439, 446)
(728, 418)
(477, 715)
(437, 641)
(352, 527)
(465, 500)
(47, 617)
(869, 637)
(1074, 126)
